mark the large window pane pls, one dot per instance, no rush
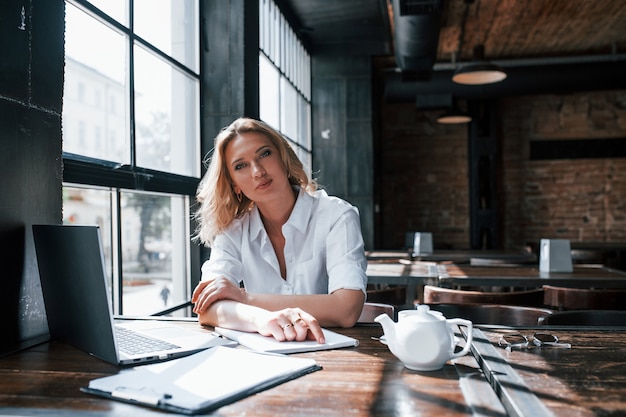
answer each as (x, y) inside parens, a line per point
(114, 8)
(289, 110)
(89, 206)
(154, 251)
(171, 26)
(304, 123)
(166, 116)
(269, 87)
(284, 80)
(152, 60)
(94, 101)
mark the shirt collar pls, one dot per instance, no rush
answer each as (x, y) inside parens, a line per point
(299, 216)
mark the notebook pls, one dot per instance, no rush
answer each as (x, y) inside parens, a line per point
(76, 296)
(201, 382)
(260, 343)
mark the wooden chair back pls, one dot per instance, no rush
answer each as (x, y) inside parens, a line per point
(531, 298)
(505, 315)
(562, 298)
(372, 310)
(585, 318)
(395, 296)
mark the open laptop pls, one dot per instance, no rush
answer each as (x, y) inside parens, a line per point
(76, 296)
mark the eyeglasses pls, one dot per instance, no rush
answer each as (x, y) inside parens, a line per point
(519, 341)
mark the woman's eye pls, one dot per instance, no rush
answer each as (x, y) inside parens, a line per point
(239, 166)
(265, 153)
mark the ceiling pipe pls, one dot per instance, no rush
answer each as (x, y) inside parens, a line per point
(416, 35)
(541, 61)
(551, 78)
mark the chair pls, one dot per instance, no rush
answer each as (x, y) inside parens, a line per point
(372, 310)
(562, 298)
(531, 298)
(395, 296)
(494, 314)
(585, 318)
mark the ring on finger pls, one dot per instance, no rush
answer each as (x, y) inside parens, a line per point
(286, 326)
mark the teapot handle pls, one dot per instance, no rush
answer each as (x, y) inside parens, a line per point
(470, 333)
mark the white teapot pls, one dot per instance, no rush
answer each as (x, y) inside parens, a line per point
(422, 339)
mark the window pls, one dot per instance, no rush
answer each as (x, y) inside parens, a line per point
(284, 80)
(131, 142)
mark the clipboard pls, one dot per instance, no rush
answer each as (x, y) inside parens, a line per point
(201, 382)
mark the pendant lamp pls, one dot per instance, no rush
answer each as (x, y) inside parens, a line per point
(454, 115)
(479, 71)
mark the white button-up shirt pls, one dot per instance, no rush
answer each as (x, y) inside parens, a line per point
(324, 250)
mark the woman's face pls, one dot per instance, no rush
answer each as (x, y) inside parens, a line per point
(255, 167)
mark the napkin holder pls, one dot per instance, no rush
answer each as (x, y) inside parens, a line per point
(422, 243)
(555, 255)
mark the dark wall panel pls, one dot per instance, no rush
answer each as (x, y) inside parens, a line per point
(342, 133)
(14, 51)
(31, 90)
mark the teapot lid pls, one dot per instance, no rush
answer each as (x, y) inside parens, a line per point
(424, 315)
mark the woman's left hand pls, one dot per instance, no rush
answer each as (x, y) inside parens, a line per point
(212, 290)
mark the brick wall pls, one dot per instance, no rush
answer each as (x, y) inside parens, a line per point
(583, 200)
(424, 179)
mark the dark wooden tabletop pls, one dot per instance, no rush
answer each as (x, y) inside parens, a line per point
(454, 255)
(410, 274)
(363, 381)
(588, 379)
(527, 276)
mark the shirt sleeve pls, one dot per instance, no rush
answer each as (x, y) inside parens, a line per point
(225, 259)
(345, 254)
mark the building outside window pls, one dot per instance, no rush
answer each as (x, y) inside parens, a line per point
(131, 142)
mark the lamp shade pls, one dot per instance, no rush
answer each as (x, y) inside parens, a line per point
(479, 73)
(454, 116)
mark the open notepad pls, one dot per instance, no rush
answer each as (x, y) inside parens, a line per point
(260, 343)
(201, 382)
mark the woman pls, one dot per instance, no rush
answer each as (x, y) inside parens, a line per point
(297, 252)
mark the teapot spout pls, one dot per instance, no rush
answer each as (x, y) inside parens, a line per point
(389, 326)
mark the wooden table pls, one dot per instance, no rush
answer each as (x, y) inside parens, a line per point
(411, 274)
(458, 256)
(364, 381)
(589, 379)
(526, 276)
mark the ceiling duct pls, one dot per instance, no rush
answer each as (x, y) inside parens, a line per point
(551, 77)
(417, 24)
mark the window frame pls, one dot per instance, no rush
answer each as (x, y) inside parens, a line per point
(80, 170)
(285, 52)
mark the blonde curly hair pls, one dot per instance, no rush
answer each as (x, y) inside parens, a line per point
(219, 205)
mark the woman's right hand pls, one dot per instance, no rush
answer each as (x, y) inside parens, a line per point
(290, 324)
(212, 290)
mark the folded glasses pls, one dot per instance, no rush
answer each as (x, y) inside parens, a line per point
(519, 341)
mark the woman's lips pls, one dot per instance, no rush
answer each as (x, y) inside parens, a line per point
(264, 185)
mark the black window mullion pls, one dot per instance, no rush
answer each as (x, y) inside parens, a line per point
(120, 264)
(131, 82)
(89, 171)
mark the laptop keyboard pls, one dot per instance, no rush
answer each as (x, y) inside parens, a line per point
(134, 343)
